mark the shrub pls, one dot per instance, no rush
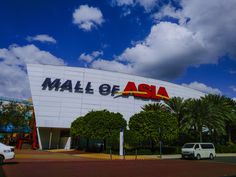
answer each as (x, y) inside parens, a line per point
(229, 148)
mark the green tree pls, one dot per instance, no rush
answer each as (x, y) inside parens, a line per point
(229, 116)
(209, 114)
(177, 107)
(79, 127)
(103, 125)
(155, 107)
(195, 119)
(146, 125)
(15, 114)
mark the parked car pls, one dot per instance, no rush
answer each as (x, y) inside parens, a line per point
(198, 151)
(6, 152)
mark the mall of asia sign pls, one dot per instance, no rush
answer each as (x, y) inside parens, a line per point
(143, 90)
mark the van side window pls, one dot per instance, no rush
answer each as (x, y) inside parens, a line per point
(207, 146)
(196, 146)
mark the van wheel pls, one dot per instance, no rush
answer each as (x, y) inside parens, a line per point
(198, 157)
(1, 159)
(211, 156)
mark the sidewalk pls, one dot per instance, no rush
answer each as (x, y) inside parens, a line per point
(141, 157)
(225, 154)
(102, 156)
(177, 156)
(78, 155)
(37, 155)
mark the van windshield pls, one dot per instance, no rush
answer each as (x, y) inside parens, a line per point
(189, 145)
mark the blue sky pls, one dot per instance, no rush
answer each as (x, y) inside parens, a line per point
(186, 42)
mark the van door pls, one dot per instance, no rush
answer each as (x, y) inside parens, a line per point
(205, 150)
(209, 149)
(197, 150)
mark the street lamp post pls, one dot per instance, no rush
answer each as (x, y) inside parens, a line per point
(121, 142)
(160, 143)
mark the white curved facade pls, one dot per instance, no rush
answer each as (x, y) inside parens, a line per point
(61, 94)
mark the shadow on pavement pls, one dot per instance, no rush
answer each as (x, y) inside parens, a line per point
(10, 163)
(2, 174)
(231, 160)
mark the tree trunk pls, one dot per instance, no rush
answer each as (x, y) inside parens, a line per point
(200, 135)
(229, 135)
(87, 144)
(104, 145)
(152, 146)
(178, 140)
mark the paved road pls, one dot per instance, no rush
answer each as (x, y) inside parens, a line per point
(227, 160)
(120, 168)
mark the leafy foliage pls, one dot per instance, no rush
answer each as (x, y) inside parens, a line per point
(209, 114)
(99, 124)
(154, 107)
(146, 125)
(208, 118)
(14, 114)
(177, 107)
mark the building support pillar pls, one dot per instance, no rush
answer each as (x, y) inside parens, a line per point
(50, 139)
(121, 142)
(39, 139)
(68, 144)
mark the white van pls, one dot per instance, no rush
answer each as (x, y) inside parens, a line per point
(198, 151)
(6, 152)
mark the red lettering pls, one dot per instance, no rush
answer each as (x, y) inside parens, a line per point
(145, 90)
(153, 88)
(129, 88)
(163, 93)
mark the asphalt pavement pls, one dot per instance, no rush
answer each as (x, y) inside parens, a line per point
(226, 159)
(32, 163)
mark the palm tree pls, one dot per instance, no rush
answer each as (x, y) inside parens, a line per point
(231, 118)
(220, 112)
(154, 107)
(194, 119)
(210, 113)
(177, 106)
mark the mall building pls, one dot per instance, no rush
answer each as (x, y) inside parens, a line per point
(60, 94)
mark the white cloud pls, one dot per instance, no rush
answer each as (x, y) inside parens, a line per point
(234, 98)
(217, 35)
(233, 88)
(41, 38)
(165, 52)
(148, 5)
(13, 78)
(170, 48)
(90, 57)
(111, 66)
(203, 88)
(87, 17)
(126, 11)
(13, 81)
(124, 2)
(170, 11)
